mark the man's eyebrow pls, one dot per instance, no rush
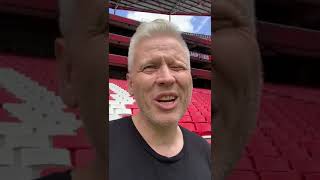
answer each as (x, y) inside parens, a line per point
(180, 62)
(158, 59)
(151, 60)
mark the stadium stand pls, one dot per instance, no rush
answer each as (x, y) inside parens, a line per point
(286, 144)
(54, 128)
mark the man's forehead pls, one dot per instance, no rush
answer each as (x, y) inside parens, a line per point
(162, 51)
(157, 47)
(164, 48)
(160, 39)
(160, 44)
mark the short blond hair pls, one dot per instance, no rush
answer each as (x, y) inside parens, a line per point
(150, 29)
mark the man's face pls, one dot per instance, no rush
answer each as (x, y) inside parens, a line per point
(160, 80)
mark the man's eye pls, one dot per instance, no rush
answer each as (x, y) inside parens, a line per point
(149, 68)
(177, 68)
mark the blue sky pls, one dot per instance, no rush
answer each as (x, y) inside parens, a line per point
(193, 24)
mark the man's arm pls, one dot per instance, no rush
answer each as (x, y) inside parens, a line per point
(236, 81)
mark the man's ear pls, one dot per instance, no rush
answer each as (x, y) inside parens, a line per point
(129, 81)
(64, 72)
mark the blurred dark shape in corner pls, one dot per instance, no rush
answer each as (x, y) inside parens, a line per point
(247, 35)
(237, 82)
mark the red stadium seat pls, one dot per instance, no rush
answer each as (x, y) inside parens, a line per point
(293, 152)
(243, 175)
(186, 119)
(244, 164)
(271, 164)
(306, 166)
(197, 117)
(7, 97)
(315, 176)
(314, 148)
(5, 117)
(83, 157)
(280, 176)
(203, 128)
(70, 142)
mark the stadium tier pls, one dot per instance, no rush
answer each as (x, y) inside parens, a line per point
(124, 42)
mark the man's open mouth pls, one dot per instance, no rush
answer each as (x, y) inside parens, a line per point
(167, 101)
(164, 99)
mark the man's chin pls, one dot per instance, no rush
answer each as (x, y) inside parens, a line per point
(167, 119)
(161, 118)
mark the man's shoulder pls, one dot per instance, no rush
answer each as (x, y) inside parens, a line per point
(120, 128)
(122, 122)
(193, 138)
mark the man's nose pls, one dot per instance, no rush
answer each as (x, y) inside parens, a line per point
(165, 76)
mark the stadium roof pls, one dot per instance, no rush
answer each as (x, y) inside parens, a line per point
(170, 7)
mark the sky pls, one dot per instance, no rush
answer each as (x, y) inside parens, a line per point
(192, 24)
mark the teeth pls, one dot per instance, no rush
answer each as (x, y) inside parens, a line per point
(167, 98)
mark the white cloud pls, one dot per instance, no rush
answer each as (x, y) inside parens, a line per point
(183, 22)
(202, 23)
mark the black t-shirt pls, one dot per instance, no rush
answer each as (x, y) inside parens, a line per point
(130, 157)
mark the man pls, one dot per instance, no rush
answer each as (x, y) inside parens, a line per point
(236, 82)
(151, 144)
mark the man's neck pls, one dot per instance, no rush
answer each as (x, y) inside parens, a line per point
(166, 141)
